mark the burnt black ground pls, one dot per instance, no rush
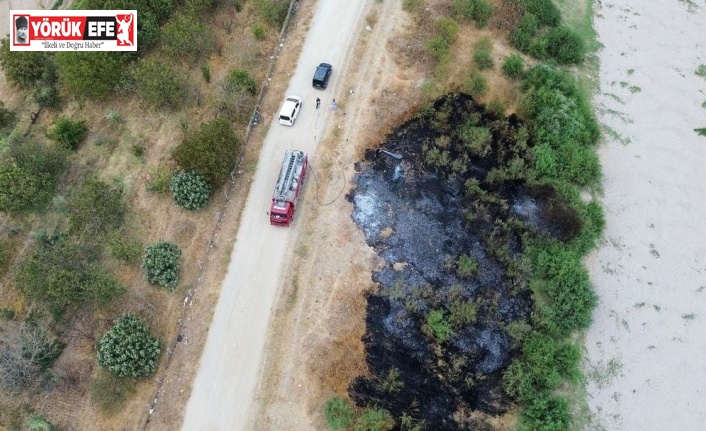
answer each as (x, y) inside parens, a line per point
(414, 217)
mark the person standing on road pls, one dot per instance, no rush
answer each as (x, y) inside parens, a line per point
(318, 102)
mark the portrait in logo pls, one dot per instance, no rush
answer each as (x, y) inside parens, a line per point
(125, 29)
(22, 30)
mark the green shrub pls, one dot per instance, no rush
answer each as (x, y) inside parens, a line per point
(62, 273)
(482, 11)
(565, 45)
(538, 48)
(514, 66)
(338, 412)
(521, 37)
(412, 6)
(159, 85)
(259, 32)
(463, 8)
(496, 107)
(241, 79)
(91, 74)
(161, 264)
(129, 349)
(466, 266)
(462, 313)
(438, 47)
(22, 67)
(206, 73)
(37, 422)
(374, 419)
(447, 28)
(46, 96)
(477, 84)
(7, 118)
(69, 134)
(23, 189)
(96, 208)
(545, 11)
(124, 248)
(476, 140)
(210, 151)
(437, 326)
(273, 11)
(159, 179)
(482, 55)
(190, 190)
(137, 150)
(546, 412)
(111, 393)
(185, 37)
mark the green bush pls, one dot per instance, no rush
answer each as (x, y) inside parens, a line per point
(514, 66)
(482, 11)
(91, 74)
(22, 67)
(159, 85)
(124, 248)
(206, 73)
(565, 45)
(338, 412)
(7, 118)
(259, 31)
(241, 79)
(273, 11)
(482, 55)
(538, 47)
(438, 47)
(210, 151)
(476, 140)
(477, 84)
(466, 266)
(159, 180)
(546, 12)
(161, 264)
(97, 208)
(412, 6)
(447, 28)
(63, 273)
(521, 37)
(437, 326)
(463, 8)
(129, 349)
(111, 393)
(69, 134)
(462, 313)
(190, 190)
(37, 422)
(374, 419)
(23, 189)
(546, 413)
(185, 37)
(46, 96)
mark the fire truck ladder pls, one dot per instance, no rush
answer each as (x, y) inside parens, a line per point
(284, 183)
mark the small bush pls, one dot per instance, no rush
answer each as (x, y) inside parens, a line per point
(274, 11)
(338, 412)
(186, 37)
(514, 66)
(412, 6)
(466, 266)
(521, 37)
(483, 58)
(22, 189)
(137, 150)
(447, 28)
(477, 84)
(496, 107)
(374, 419)
(241, 79)
(565, 45)
(7, 118)
(482, 11)
(22, 67)
(91, 74)
(159, 180)
(546, 413)
(111, 394)
(462, 313)
(206, 73)
(46, 96)
(124, 248)
(545, 11)
(129, 349)
(96, 208)
(259, 32)
(190, 190)
(476, 140)
(69, 134)
(37, 422)
(437, 326)
(438, 47)
(161, 264)
(159, 85)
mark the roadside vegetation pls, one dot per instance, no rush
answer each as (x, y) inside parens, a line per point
(109, 163)
(553, 156)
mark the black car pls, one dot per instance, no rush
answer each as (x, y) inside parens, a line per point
(321, 75)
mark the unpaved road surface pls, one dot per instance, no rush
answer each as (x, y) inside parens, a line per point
(224, 388)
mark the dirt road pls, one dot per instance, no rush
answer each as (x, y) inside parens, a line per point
(224, 388)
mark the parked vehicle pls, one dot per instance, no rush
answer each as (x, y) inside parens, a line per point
(290, 110)
(322, 75)
(289, 186)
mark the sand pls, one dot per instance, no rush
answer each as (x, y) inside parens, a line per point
(647, 346)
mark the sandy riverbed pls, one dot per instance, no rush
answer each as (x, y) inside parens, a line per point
(647, 345)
